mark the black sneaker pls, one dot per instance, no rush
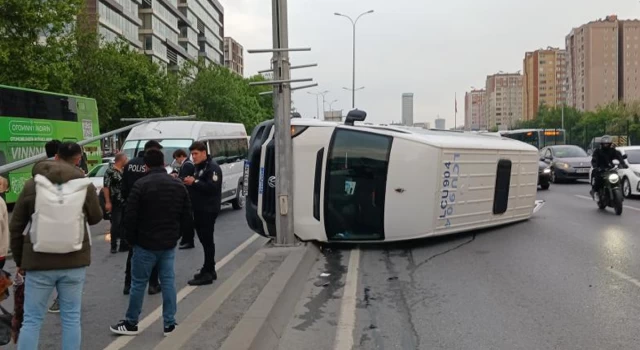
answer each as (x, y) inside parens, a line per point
(199, 274)
(169, 330)
(114, 250)
(55, 307)
(204, 279)
(126, 290)
(187, 246)
(154, 290)
(124, 328)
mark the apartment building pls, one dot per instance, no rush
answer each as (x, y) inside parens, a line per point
(115, 18)
(544, 80)
(593, 63)
(474, 110)
(504, 106)
(629, 63)
(234, 56)
(168, 31)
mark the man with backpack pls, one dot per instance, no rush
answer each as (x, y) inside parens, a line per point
(51, 149)
(133, 171)
(57, 206)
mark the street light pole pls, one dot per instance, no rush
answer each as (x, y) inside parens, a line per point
(318, 94)
(353, 76)
(331, 105)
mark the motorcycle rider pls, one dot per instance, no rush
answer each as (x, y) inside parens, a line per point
(602, 160)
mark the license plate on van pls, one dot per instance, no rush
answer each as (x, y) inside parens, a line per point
(245, 180)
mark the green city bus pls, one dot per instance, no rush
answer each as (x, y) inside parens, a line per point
(30, 118)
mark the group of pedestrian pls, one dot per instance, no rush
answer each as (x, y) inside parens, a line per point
(151, 213)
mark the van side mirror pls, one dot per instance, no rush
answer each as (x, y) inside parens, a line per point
(624, 156)
(355, 115)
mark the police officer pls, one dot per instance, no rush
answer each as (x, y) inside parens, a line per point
(186, 168)
(205, 190)
(134, 170)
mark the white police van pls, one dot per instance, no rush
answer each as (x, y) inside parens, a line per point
(226, 142)
(366, 183)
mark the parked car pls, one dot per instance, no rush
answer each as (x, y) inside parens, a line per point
(631, 176)
(96, 175)
(544, 175)
(567, 162)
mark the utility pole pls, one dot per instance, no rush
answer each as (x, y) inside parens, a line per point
(282, 105)
(281, 68)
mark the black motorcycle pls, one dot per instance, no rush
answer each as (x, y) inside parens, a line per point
(610, 194)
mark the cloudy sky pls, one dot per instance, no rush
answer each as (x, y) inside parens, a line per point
(433, 48)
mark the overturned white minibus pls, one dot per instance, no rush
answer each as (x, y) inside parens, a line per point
(366, 183)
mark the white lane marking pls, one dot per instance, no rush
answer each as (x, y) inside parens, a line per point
(625, 277)
(121, 342)
(589, 198)
(347, 322)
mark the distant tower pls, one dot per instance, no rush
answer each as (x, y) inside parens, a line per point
(440, 123)
(407, 108)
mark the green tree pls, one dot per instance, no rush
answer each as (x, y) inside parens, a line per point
(36, 40)
(217, 94)
(124, 82)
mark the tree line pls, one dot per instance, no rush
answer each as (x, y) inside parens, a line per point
(53, 46)
(616, 119)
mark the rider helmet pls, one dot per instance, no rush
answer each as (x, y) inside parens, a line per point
(605, 141)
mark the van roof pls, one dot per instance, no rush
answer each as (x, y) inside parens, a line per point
(436, 138)
(186, 129)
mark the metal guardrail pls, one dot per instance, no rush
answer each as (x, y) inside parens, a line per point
(31, 160)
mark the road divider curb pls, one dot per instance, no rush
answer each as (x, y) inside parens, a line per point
(264, 323)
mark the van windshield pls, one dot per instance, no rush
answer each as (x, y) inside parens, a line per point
(133, 147)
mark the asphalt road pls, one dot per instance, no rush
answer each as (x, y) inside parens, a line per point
(103, 301)
(569, 278)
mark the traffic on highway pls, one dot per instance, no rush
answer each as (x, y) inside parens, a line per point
(352, 186)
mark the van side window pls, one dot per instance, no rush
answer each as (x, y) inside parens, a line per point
(232, 150)
(503, 183)
(356, 180)
(218, 151)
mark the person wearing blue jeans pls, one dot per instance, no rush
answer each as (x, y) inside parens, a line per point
(142, 263)
(48, 271)
(158, 213)
(38, 288)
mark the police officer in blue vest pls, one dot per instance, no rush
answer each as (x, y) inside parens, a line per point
(205, 190)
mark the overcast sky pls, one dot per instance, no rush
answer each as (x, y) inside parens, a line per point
(433, 48)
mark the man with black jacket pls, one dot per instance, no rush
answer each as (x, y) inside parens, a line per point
(205, 190)
(601, 160)
(158, 213)
(133, 171)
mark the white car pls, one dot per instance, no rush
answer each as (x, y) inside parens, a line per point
(631, 176)
(96, 175)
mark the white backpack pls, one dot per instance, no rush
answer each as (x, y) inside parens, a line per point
(58, 223)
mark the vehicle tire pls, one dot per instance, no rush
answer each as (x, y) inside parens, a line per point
(553, 177)
(626, 188)
(617, 202)
(240, 200)
(545, 186)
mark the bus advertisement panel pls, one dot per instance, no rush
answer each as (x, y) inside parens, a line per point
(30, 118)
